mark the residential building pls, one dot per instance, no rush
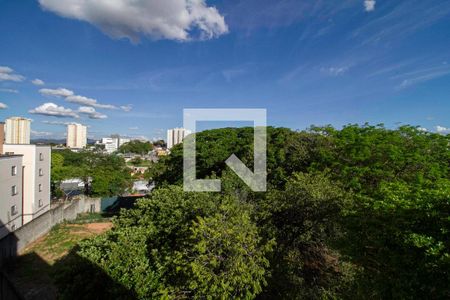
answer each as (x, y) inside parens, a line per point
(11, 210)
(36, 161)
(176, 136)
(76, 136)
(2, 136)
(123, 141)
(113, 143)
(17, 130)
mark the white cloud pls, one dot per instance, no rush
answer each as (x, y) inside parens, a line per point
(60, 92)
(3, 106)
(126, 108)
(82, 100)
(335, 71)
(133, 128)
(168, 19)
(9, 91)
(37, 82)
(7, 74)
(369, 5)
(51, 109)
(77, 99)
(91, 112)
(56, 123)
(442, 129)
(41, 133)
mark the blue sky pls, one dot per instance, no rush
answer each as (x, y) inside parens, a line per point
(130, 67)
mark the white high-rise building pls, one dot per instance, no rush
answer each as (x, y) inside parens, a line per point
(176, 136)
(76, 136)
(17, 130)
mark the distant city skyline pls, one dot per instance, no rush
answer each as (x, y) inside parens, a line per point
(306, 62)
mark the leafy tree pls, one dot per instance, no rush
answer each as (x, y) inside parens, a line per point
(107, 175)
(180, 245)
(304, 219)
(361, 212)
(136, 147)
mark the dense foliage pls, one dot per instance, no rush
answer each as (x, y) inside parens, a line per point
(177, 245)
(361, 212)
(103, 175)
(136, 147)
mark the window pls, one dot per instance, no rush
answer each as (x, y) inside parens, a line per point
(40, 203)
(41, 157)
(40, 187)
(41, 173)
(14, 190)
(14, 210)
(13, 170)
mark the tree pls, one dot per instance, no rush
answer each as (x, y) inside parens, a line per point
(179, 245)
(304, 219)
(136, 147)
(107, 175)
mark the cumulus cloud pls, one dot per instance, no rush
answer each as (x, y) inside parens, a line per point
(8, 74)
(3, 106)
(51, 109)
(91, 112)
(369, 5)
(9, 91)
(60, 92)
(442, 129)
(70, 96)
(168, 19)
(37, 81)
(82, 100)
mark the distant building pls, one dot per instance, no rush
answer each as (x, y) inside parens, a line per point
(112, 144)
(76, 136)
(17, 130)
(35, 167)
(176, 136)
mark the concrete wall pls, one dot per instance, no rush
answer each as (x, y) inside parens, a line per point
(16, 242)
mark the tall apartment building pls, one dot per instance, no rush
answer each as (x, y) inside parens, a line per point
(17, 130)
(36, 164)
(176, 136)
(11, 210)
(76, 136)
(2, 136)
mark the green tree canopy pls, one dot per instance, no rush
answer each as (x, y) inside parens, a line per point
(136, 147)
(178, 245)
